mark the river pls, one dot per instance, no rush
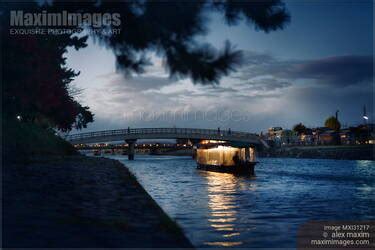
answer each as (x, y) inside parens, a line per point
(222, 210)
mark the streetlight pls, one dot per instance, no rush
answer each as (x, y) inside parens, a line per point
(365, 117)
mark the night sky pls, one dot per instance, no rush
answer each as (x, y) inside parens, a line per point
(321, 62)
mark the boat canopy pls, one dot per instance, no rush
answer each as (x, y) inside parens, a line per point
(224, 155)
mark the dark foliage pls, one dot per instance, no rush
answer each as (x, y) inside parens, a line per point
(169, 28)
(36, 81)
(332, 123)
(299, 128)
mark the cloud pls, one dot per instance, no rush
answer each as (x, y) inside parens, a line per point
(139, 83)
(266, 91)
(267, 84)
(338, 71)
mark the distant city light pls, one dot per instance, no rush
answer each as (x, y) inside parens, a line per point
(19, 117)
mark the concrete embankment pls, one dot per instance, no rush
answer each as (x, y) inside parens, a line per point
(78, 201)
(355, 152)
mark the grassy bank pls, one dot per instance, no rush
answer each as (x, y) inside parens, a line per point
(22, 142)
(54, 197)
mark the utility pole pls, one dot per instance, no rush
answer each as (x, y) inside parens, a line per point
(337, 132)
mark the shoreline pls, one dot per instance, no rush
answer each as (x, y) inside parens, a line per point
(329, 152)
(342, 152)
(81, 201)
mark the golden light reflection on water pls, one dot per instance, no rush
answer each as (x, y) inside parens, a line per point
(222, 214)
(222, 220)
(224, 243)
(222, 205)
(222, 226)
(231, 235)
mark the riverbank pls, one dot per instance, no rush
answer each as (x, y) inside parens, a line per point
(79, 201)
(178, 152)
(343, 152)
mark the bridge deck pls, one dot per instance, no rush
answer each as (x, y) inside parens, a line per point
(163, 133)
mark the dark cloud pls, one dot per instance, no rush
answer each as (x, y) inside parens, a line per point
(339, 71)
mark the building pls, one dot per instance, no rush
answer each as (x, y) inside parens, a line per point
(362, 134)
(307, 137)
(317, 132)
(288, 137)
(347, 136)
(274, 135)
(328, 138)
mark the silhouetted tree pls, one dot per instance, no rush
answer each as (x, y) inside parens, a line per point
(36, 79)
(299, 128)
(332, 123)
(169, 28)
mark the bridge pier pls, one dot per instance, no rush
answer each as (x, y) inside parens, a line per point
(131, 148)
(247, 154)
(195, 142)
(194, 152)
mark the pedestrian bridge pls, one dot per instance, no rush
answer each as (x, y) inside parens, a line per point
(133, 134)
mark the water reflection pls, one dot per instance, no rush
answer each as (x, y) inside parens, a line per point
(363, 163)
(222, 189)
(222, 210)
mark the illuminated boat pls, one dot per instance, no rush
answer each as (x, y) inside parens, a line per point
(221, 156)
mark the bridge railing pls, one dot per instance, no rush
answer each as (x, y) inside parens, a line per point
(143, 131)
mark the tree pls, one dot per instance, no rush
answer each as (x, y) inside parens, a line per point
(169, 29)
(36, 81)
(299, 128)
(332, 123)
